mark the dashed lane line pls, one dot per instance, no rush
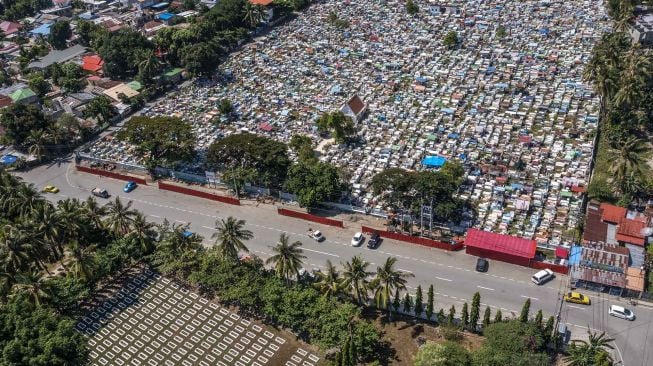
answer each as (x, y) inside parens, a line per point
(278, 230)
(443, 279)
(485, 288)
(319, 252)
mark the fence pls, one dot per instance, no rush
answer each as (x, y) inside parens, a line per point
(109, 174)
(187, 177)
(257, 190)
(122, 166)
(563, 269)
(414, 239)
(309, 217)
(196, 193)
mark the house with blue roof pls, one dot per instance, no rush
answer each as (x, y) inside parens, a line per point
(166, 17)
(41, 31)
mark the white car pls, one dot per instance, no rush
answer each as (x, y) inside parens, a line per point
(621, 312)
(357, 240)
(542, 276)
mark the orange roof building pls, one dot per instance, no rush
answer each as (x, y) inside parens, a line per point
(261, 2)
(612, 214)
(92, 63)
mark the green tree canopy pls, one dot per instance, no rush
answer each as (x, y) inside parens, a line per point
(38, 336)
(19, 119)
(313, 183)
(511, 343)
(38, 84)
(340, 126)
(161, 140)
(269, 158)
(101, 108)
(411, 7)
(59, 34)
(450, 39)
(442, 354)
(122, 52)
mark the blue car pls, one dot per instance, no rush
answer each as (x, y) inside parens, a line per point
(130, 186)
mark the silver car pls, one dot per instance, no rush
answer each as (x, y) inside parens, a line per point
(621, 312)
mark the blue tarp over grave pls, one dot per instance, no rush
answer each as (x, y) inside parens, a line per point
(434, 161)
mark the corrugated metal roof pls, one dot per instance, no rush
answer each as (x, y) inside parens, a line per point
(512, 245)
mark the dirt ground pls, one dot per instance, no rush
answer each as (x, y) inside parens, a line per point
(402, 335)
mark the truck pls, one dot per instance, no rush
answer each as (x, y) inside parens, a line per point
(315, 235)
(99, 192)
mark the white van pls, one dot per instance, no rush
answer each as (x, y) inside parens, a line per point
(542, 276)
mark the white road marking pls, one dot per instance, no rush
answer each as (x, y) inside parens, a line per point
(528, 297)
(325, 253)
(485, 288)
(157, 216)
(208, 227)
(404, 270)
(576, 307)
(443, 279)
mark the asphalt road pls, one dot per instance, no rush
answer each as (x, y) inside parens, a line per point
(504, 286)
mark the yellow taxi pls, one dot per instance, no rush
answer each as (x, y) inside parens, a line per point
(577, 298)
(50, 189)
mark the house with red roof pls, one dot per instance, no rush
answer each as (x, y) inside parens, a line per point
(92, 64)
(8, 28)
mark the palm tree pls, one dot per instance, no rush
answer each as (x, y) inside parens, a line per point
(386, 282)
(627, 158)
(229, 237)
(36, 142)
(330, 282)
(254, 14)
(83, 261)
(586, 353)
(93, 212)
(34, 285)
(56, 135)
(119, 216)
(355, 278)
(143, 231)
(148, 67)
(45, 221)
(22, 200)
(72, 224)
(288, 258)
(175, 240)
(17, 250)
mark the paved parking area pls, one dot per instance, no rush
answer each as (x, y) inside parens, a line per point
(153, 321)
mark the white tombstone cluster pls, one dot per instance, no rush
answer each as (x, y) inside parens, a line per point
(513, 109)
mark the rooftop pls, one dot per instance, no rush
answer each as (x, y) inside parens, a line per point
(58, 56)
(501, 243)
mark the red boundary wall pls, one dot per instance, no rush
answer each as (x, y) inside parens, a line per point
(554, 267)
(309, 217)
(414, 239)
(106, 173)
(196, 193)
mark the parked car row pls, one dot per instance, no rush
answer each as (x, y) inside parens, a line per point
(372, 243)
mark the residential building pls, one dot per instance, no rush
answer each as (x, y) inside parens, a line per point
(92, 64)
(9, 29)
(57, 56)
